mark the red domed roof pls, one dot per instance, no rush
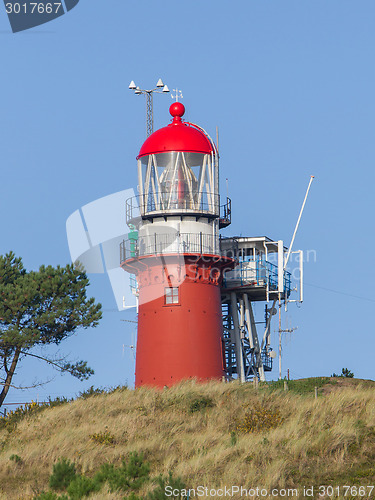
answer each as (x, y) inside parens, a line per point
(177, 136)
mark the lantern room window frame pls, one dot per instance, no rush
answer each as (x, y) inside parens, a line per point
(200, 193)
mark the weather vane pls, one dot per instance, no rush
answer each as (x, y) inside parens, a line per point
(178, 94)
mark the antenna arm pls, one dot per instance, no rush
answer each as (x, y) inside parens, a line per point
(298, 221)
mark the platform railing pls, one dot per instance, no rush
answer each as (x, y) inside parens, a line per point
(266, 360)
(257, 272)
(169, 203)
(226, 213)
(169, 243)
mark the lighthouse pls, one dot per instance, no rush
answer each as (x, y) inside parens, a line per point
(173, 249)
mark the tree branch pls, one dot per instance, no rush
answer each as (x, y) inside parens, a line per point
(53, 363)
(39, 384)
(79, 370)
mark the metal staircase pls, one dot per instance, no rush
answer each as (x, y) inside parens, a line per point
(245, 358)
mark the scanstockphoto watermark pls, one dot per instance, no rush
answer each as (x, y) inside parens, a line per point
(231, 491)
(325, 491)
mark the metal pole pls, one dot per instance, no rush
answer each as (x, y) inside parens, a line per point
(298, 221)
(301, 276)
(266, 331)
(279, 339)
(250, 321)
(237, 336)
(288, 330)
(149, 113)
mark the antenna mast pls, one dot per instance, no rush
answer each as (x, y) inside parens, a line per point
(290, 330)
(149, 101)
(298, 221)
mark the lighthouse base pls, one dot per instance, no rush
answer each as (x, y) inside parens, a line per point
(180, 332)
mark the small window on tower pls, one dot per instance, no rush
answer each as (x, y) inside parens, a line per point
(171, 296)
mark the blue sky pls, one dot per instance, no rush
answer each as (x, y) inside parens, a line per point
(289, 83)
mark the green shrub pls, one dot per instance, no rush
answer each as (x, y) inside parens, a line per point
(82, 486)
(17, 459)
(49, 495)
(91, 391)
(345, 372)
(56, 402)
(130, 475)
(159, 492)
(128, 478)
(201, 403)
(118, 388)
(63, 473)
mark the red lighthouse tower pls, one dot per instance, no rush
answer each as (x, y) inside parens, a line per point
(173, 249)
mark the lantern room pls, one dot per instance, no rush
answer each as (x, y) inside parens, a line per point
(177, 172)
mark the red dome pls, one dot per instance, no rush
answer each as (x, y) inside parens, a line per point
(177, 136)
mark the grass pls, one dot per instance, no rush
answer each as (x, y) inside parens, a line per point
(303, 386)
(208, 434)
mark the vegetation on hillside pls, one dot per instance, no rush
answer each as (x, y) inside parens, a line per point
(213, 435)
(345, 372)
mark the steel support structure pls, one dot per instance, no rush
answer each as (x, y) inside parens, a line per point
(245, 357)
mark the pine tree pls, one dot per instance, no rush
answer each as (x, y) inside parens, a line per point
(38, 308)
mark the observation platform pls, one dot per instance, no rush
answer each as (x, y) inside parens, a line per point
(257, 271)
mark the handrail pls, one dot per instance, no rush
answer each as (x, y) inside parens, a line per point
(167, 243)
(259, 273)
(162, 203)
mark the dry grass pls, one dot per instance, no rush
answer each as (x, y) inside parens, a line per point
(330, 440)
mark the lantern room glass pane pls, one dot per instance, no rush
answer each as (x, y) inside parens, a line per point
(178, 181)
(176, 176)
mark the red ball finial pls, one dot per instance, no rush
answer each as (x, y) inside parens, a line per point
(177, 109)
